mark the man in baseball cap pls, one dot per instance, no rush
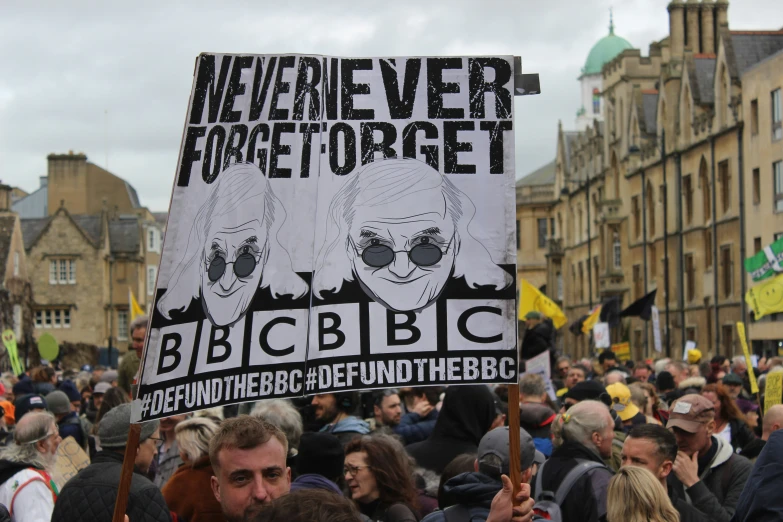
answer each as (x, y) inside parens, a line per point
(474, 491)
(625, 408)
(706, 468)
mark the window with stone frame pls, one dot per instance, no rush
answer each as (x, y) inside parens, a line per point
(725, 185)
(687, 196)
(62, 271)
(122, 325)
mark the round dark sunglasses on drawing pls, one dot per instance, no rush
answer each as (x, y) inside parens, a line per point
(243, 266)
(423, 254)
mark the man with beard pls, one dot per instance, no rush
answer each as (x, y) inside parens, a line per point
(26, 488)
(387, 409)
(91, 494)
(248, 456)
(335, 409)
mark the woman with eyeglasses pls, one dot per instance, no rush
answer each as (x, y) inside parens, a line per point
(188, 492)
(379, 477)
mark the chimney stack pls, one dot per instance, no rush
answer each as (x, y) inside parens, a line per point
(676, 28)
(692, 31)
(708, 27)
(722, 12)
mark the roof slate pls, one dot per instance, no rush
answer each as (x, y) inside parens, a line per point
(124, 236)
(704, 69)
(750, 48)
(542, 176)
(31, 229)
(650, 106)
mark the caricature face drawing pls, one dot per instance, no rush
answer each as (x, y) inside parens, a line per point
(232, 265)
(233, 250)
(401, 256)
(400, 229)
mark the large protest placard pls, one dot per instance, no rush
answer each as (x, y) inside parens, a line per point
(336, 224)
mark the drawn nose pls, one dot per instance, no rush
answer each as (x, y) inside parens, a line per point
(401, 266)
(227, 279)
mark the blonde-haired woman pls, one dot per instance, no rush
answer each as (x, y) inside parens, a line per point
(635, 495)
(188, 492)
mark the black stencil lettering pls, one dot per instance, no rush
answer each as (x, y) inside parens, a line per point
(462, 324)
(479, 86)
(370, 146)
(392, 326)
(330, 86)
(495, 129)
(277, 149)
(234, 150)
(263, 130)
(235, 88)
(349, 141)
(210, 169)
(175, 340)
(307, 130)
(286, 62)
(452, 145)
(205, 84)
(333, 329)
(263, 337)
(409, 142)
(347, 68)
(259, 92)
(436, 88)
(309, 88)
(222, 341)
(401, 107)
(189, 154)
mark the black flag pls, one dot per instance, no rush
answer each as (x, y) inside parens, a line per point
(642, 307)
(576, 326)
(610, 311)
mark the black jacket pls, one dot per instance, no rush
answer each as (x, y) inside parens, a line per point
(377, 511)
(720, 485)
(741, 435)
(761, 500)
(473, 491)
(688, 513)
(467, 414)
(538, 339)
(90, 495)
(587, 500)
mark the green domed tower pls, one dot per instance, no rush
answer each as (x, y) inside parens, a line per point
(602, 52)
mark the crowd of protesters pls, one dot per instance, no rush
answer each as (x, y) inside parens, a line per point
(604, 440)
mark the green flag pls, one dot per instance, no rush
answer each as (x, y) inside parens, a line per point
(766, 263)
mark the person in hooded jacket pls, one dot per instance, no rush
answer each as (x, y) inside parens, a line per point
(761, 501)
(539, 337)
(706, 470)
(467, 414)
(475, 490)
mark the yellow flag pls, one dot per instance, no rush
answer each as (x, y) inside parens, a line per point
(766, 298)
(587, 326)
(532, 300)
(135, 309)
(754, 387)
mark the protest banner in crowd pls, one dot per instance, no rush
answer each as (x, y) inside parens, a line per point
(336, 224)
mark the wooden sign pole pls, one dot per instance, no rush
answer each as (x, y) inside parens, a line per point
(126, 477)
(514, 443)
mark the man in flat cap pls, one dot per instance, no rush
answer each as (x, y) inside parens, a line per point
(90, 495)
(706, 468)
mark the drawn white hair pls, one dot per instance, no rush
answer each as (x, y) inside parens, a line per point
(238, 186)
(386, 181)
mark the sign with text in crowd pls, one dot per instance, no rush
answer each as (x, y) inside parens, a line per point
(336, 224)
(71, 459)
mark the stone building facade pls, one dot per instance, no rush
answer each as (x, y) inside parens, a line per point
(656, 195)
(84, 263)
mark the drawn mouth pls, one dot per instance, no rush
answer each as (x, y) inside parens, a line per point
(402, 281)
(228, 294)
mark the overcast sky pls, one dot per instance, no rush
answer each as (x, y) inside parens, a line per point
(66, 65)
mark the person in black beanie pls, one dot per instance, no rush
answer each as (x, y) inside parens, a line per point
(320, 463)
(667, 390)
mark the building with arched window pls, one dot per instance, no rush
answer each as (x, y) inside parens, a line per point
(674, 185)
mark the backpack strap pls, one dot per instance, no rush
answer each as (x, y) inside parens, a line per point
(582, 467)
(540, 480)
(457, 513)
